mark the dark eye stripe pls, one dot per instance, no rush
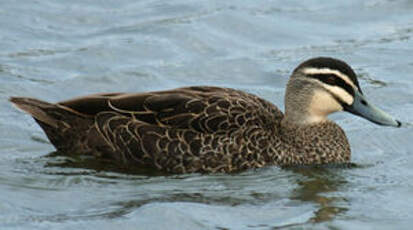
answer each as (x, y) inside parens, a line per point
(337, 81)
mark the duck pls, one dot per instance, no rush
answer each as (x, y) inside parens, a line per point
(207, 129)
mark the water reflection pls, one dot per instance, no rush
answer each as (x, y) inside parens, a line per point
(316, 185)
(319, 186)
(154, 186)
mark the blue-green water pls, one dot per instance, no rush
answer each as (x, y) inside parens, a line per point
(55, 50)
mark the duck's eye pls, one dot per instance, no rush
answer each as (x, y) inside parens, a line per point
(331, 80)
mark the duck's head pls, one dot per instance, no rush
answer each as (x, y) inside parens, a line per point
(323, 85)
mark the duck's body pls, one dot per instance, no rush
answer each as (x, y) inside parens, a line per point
(207, 129)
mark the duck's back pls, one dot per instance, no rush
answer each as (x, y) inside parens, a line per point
(203, 129)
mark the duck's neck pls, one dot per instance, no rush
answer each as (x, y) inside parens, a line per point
(307, 103)
(314, 142)
(303, 118)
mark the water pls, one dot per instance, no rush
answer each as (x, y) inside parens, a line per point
(55, 50)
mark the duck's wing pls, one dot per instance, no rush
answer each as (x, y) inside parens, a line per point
(197, 129)
(201, 109)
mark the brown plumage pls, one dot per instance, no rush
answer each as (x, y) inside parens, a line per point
(194, 129)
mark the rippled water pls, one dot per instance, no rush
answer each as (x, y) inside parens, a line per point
(54, 50)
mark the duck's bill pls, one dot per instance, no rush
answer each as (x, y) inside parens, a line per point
(361, 107)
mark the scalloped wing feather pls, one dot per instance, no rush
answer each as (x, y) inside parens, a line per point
(195, 129)
(183, 150)
(204, 133)
(203, 109)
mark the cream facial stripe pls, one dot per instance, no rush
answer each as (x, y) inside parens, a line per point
(340, 93)
(345, 78)
(341, 87)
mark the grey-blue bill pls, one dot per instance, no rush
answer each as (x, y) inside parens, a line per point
(361, 107)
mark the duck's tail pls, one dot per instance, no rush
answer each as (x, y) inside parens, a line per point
(64, 127)
(36, 108)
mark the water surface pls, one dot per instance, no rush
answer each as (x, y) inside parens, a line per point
(55, 50)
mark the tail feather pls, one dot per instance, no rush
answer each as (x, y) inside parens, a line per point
(66, 129)
(36, 108)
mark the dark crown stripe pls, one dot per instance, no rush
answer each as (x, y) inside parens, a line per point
(337, 81)
(333, 64)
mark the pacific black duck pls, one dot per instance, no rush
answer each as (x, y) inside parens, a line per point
(211, 129)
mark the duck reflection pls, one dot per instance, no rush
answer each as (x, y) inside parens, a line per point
(319, 185)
